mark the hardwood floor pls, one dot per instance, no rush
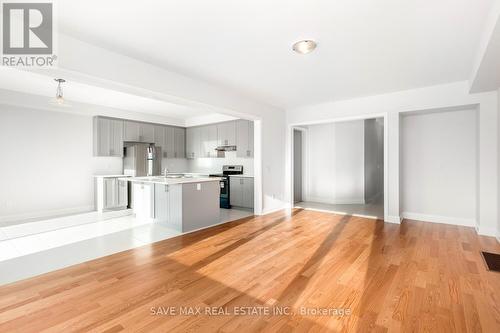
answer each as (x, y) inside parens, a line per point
(411, 277)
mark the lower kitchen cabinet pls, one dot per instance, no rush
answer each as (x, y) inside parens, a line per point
(111, 193)
(241, 191)
(168, 205)
(143, 200)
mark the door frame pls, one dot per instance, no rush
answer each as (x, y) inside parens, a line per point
(291, 127)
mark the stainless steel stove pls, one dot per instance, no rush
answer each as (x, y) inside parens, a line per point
(225, 191)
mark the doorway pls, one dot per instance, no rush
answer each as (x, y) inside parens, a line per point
(339, 167)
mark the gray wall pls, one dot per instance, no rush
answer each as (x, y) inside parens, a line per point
(374, 160)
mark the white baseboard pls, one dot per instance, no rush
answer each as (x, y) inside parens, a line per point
(393, 219)
(274, 210)
(439, 219)
(485, 231)
(45, 214)
(345, 201)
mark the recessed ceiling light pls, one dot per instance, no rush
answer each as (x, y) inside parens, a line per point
(304, 46)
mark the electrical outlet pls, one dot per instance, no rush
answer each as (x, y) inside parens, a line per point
(198, 187)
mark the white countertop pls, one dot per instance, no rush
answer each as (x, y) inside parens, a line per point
(171, 181)
(110, 176)
(241, 176)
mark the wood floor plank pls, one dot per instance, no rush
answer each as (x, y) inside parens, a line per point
(413, 277)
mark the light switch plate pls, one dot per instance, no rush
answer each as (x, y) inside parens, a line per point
(198, 187)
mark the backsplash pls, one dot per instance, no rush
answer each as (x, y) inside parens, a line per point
(207, 165)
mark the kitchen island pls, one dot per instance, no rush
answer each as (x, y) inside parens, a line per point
(184, 203)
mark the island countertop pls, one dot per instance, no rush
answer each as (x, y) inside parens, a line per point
(171, 181)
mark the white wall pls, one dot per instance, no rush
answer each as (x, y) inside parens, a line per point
(374, 160)
(47, 164)
(444, 96)
(214, 165)
(439, 167)
(106, 68)
(335, 163)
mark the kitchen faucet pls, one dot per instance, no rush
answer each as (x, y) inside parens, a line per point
(165, 172)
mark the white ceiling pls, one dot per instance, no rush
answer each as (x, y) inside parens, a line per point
(365, 47)
(44, 85)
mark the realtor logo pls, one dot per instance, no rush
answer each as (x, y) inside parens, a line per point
(28, 34)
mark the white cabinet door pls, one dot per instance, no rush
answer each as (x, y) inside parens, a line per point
(108, 137)
(110, 195)
(236, 191)
(116, 138)
(193, 142)
(143, 200)
(102, 136)
(122, 193)
(244, 138)
(131, 131)
(179, 142)
(168, 205)
(226, 133)
(208, 140)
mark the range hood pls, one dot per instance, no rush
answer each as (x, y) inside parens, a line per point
(226, 148)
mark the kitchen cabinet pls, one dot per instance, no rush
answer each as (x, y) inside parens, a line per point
(169, 145)
(168, 205)
(143, 200)
(244, 138)
(159, 136)
(147, 133)
(138, 132)
(193, 144)
(226, 133)
(208, 141)
(108, 137)
(179, 142)
(111, 193)
(131, 131)
(241, 191)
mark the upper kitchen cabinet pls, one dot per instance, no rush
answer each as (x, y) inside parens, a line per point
(138, 132)
(244, 138)
(226, 133)
(159, 136)
(208, 140)
(108, 137)
(147, 133)
(169, 145)
(179, 142)
(131, 131)
(193, 142)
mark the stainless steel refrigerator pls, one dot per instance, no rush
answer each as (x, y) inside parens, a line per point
(141, 159)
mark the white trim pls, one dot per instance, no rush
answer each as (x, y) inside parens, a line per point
(46, 214)
(393, 219)
(439, 219)
(274, 210)
(345, 201)
(485, 231)
(384, 115)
